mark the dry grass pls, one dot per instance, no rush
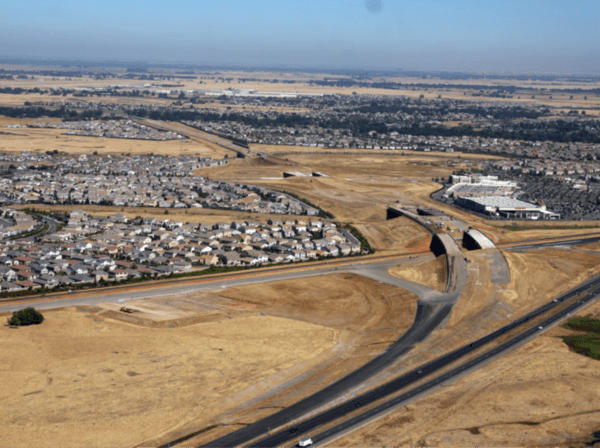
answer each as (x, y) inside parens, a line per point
(42, 140)
(325, 300)
(538, 276)
(180, 364)
(396, 234)
(380, 313)
(5, 121)
(538, 395)
(199, 215)
(432, 273)
(87, 380)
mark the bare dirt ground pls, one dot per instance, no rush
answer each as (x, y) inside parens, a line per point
(42, 140)
(183, 363)
(432, 273)
(199, 215)
(261, 81)
(538, 395)
(380, 313)
(89, 380)
(396, 235)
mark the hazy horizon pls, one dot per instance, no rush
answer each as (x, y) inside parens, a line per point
(496, 36)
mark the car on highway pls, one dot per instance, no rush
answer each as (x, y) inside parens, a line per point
(540, 328)
(305, 442)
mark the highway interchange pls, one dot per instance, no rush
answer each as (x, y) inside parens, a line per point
(591, 289)
(306, 427)
(432, 308)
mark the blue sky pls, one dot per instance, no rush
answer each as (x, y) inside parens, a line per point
(450, 35)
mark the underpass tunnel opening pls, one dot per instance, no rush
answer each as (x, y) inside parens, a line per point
(437, 247)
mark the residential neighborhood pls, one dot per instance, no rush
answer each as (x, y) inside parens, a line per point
(110, 128)
(102, 249)
(133, 181)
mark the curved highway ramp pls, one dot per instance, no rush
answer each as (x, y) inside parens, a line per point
(428, 316)
(432, 308)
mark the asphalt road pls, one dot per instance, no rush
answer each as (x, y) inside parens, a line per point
(591, 288)
(576, 242)
(52, 225)
(432, 308)
(426, 319)
(287, 272)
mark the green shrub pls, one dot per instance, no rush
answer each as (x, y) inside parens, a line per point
(28, 316)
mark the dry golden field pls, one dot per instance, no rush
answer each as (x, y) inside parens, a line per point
(432, 273)
(261, 82)
(184, 363)
(541, 394)
(42, 140)
(83, 379)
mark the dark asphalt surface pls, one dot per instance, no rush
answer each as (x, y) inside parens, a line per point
(426, 319)
(52, 225)
(402, 346)
(592, 290)
(576, 242)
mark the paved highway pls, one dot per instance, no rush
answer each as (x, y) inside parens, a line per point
(426, 319)
(537, 245)
(239, 278)
(432, 309)
(590, 291)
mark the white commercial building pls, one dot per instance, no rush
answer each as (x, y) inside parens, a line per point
(506, 207)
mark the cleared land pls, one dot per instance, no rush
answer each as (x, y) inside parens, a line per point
(432, 273)
(42, 140)
(88, 380)
(187, 362)
(199, 215)
(541, 394)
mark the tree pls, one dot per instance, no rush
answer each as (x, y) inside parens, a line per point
(27, 316)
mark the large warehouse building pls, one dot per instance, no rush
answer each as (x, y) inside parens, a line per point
(508, 208)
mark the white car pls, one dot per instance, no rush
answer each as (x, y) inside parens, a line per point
(305, 442)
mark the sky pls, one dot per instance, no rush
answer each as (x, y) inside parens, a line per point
(483, 36)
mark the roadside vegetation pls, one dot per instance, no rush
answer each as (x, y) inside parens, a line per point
(585, 344)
